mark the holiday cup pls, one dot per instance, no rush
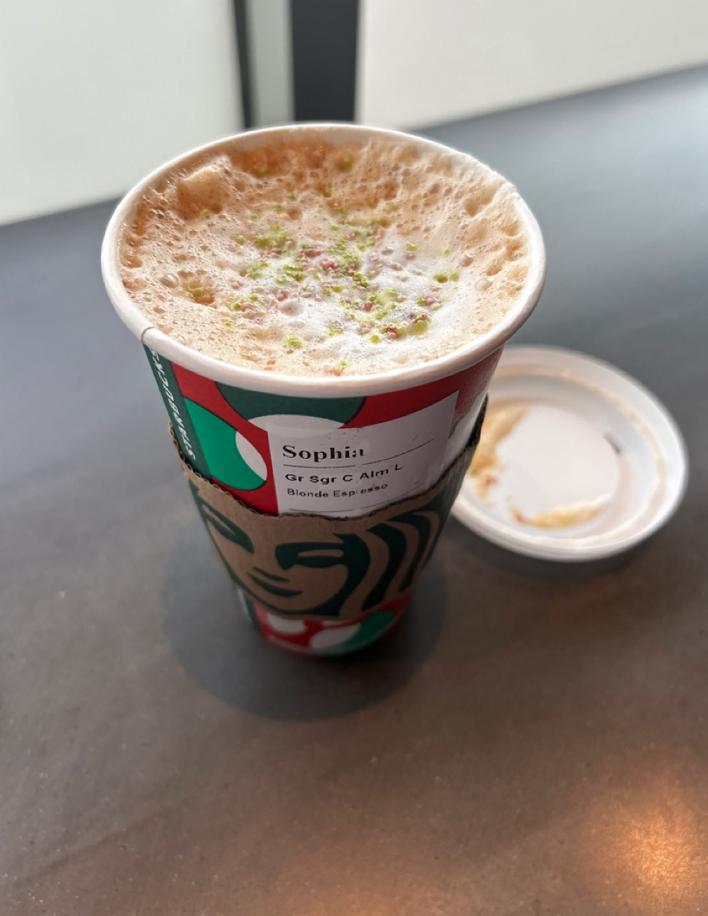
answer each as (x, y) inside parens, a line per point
(334, 447)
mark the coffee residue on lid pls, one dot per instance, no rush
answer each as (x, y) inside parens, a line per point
(562, 516)
(487, 466)
(486, 463)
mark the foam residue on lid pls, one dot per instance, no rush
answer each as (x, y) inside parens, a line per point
(543, 467)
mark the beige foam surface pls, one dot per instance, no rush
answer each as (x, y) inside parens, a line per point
(310, 258)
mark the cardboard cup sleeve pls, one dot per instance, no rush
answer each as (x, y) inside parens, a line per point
(317, 568)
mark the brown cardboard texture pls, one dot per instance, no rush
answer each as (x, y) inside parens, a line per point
(311, 567)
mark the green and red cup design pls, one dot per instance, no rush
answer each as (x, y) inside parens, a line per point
(224, 431)
(324, 637)
(226, 434)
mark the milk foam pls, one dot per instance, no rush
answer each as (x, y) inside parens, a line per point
(309, 258)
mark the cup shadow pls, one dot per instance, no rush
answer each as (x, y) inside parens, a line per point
(216, 645)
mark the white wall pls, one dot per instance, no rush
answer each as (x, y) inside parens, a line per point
(426, 61)
(96, 93)
(271, 61)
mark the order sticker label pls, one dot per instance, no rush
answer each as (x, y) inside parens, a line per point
(348, 472)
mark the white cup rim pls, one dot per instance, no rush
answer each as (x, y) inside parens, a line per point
(313, 386)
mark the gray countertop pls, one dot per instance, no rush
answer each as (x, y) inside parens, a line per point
(532, 741)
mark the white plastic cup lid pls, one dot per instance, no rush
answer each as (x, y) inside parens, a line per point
(578, 461)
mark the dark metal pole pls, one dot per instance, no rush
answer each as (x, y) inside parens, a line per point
(244, 59)
(324, 42)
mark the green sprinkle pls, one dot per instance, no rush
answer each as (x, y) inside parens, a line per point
(240, 240)
(419, 325)
(278, 240)
(350, 260)
(227, 323)
(294, 271)
(261, 171)
(278, 208)
(375, 338)
(384, 311)
(292, 343)
(255, 270)
(346, 163)
(205, 214)
(199, 294)
(327, 192)
(454, 275)
(253, 298)
(337, 288)
(390, 205)
(361, 279)
(254, 216)
(235, 306)
(411, 247)
(446, 251)
(440, 278)
(334, 331)
(291, 195)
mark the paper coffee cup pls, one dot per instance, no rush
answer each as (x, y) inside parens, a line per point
(325, 586)
(336, 447)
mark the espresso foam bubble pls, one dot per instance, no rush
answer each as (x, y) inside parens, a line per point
(309, 258)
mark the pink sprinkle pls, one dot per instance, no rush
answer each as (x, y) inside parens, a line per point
(368, 306)
(282, 294)
(311, 252)
(328, 264)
